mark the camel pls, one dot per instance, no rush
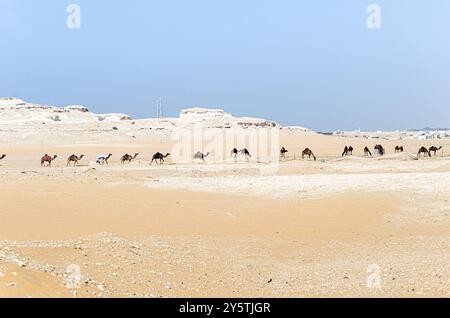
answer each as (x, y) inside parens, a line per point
(2, 157)
(380, 150)
(159, 156)
(434, 149)
(74, 159)
(246, 153)
(348, 151)
(424, 151)
(128, 158)
(399, 149)
(309, 153)
(48, 159)
(102, 159)
(283, 152)
(234, 153)
(200, 156)
(367, 152)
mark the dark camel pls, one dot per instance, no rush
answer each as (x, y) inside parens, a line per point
(200, 156)
(246, 153)
(234, 153)
(399, 149)
(283, 152)
(159, 156)
(309, 153)
(380, 150)
(103, 159)
(48, 159)
(367, 152)
(128, 158)
(348, 151)
(2, 157)
(424, 151)
(434, 149)
(74, 159)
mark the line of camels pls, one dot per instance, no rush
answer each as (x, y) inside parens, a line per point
(158, 158)
(380, 150)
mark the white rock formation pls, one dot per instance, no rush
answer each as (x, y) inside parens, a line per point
(298, 128)
(22, 122)
(14, 110)
(218, 118)
(17, 111)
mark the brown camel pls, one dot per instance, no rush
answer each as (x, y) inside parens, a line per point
(424, 151)
(434, 149)
(159, 156)
(399, 149)
(74, 159)
(48, 159)
(283, 152)
(128, 158)
(367, 152)
(309, 153)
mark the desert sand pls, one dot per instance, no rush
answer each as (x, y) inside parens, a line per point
(217, 229)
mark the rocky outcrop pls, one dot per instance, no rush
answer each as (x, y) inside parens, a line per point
(14, 110)
(218, 118)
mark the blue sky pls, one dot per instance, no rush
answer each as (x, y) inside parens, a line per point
(300, 62)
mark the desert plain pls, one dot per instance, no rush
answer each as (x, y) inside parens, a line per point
(352, 226)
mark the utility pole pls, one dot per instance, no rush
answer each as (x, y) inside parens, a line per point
(159, 108)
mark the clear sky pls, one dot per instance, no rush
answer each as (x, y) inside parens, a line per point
(313, 63)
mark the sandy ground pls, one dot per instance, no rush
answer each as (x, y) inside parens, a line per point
(312, 228)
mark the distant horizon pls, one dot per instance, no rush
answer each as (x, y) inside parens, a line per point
(410, 129)
(315, 64)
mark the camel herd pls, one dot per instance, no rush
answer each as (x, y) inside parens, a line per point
(158, 158)
(380, 150)
(243, 152)
(427, 152)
